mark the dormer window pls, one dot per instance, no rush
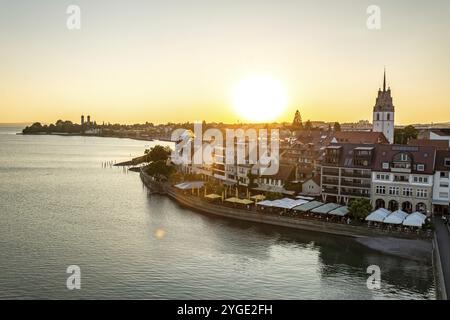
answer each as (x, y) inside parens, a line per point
(420, 167)
(386, 165)
(447, 162)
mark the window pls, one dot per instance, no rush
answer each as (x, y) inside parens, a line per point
(407, 192)
(443, 185)
(389, 117)
(444, 174)
(443, 195)
(380, 190)
(386, 165)
(383, 177)
(378, 117)
(420, 179)
(447, 162)
(394, 191)
(422, 193)
(420, 167)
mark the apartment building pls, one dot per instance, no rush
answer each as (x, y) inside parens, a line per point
(441, 187)
(346, 172)
(402, 178)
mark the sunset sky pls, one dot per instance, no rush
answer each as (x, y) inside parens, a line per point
(180, 60)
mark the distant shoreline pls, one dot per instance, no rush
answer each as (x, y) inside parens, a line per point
(93, 135)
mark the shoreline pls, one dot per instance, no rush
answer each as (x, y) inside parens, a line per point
(94, 135)
(406, 246)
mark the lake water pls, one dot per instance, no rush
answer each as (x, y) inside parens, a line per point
(59, 207)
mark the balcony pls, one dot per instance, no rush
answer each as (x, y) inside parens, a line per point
(356, 175)
(330, 191)
(334, 182)
(355, 194)
(328, 172)
(356, 185)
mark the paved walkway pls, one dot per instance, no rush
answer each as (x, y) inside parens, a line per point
(443, 239)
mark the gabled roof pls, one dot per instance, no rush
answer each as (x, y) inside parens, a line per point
(438, 144)
(346, 154)
(441, 155)
(420, 155)
(361, 137)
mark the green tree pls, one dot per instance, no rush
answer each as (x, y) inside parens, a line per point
(402, 136)
(308, 125)
(158, 153)
(273, 195)
(159, 169)
(359, 208)
(337, 127)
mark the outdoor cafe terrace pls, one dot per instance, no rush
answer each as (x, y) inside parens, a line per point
(308, 208)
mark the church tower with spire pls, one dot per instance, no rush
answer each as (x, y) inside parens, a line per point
(383, 113)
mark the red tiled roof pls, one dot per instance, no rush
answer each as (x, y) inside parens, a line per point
(439, 144)
(441, 155)
(360, 137)
(420, 155)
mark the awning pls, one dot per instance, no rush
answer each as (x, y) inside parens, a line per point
(416, 219)
(308, 206)
(440, 202)
(396, 217)
(190, 185)
(378, 215)
(341, 211)
(325, 208)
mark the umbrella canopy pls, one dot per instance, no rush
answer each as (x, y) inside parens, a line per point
(258, 197)
(213, 196)
(232, 200)
(341, 212)
(396, 217)
(190, 185)
(265, 203)
(287, 203)
(325, 208)
(308, 206)
(378, 215)
(415, 219)
(245, 201)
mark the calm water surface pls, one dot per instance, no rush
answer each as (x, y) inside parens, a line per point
(59, 207)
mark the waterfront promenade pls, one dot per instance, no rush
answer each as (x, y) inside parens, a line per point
(317, 224)
(443, 241)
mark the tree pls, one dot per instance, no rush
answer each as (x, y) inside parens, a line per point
(158, 153)
(360, 208)
(402, 136)
(308, 125)
(337, 127)
(273, 195)
(159, 168)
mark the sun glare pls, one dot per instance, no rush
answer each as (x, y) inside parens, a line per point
(259, 99)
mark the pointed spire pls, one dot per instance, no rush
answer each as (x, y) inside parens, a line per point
(384, 80)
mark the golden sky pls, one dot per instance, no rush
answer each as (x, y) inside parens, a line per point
(159, 61)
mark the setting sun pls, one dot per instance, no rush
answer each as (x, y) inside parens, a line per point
(259, 98)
